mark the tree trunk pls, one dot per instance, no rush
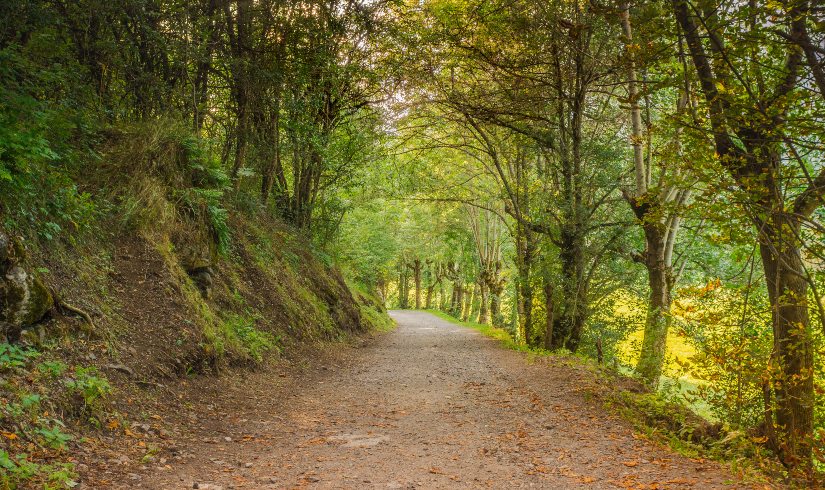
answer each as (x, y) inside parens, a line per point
(483, 312)
(496, 287)
(204, 66)
(240, 144)
(458, 295)
(549, 314)
(525, 290)
(468, 304)
(756, 165)
(793, 385)
(381, 290)
(403, 291)
(273, 167)
(416, 265)
(654, 343)
(495, 307)
(569, 325)
(431, 283)
(240, 44)
(474, 303)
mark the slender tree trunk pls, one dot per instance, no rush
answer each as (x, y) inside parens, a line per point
(240, 44)
(380, 290)
(273, 167)
(474, 303)
(495, 307)
(403, 287)
(240, 143)
(204, 66)
(525, 290)
(431, 283)
(416, 265)
(496, 289)
(549, 311)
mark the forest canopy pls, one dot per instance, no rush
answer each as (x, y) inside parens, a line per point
(611, 179)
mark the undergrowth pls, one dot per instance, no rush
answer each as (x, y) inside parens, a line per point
(34, 438)
(237, 335)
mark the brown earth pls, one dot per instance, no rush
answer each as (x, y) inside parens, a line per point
(430, 405)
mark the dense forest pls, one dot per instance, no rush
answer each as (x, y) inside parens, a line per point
(637, 183)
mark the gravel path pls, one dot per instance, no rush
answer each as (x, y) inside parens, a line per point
(430, 405)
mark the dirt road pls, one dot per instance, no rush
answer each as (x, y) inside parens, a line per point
(430, 405)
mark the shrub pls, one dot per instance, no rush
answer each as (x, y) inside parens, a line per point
(91, 390)
(39, 144)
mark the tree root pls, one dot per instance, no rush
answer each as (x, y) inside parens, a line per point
(61, 304)
(77, 311)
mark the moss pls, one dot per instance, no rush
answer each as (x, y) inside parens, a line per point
(24, 298)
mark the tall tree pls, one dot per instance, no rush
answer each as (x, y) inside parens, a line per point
(750, 107)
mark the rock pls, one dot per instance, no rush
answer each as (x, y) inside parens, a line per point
(206, 486)
(24, 298)
(201, 272)
(33, 336)
(120, 367)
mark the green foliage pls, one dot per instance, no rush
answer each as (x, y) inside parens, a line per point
(13, 356)
(20, 472)
(51, 369)
(372, 309)
(54, 437)
(734, 351)
(204, 199)
(32, 391)
(90, 389)
(237, 336)
(30, 401)
(167, 179)
(206, 204)
(38, 144)
(110, 111)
